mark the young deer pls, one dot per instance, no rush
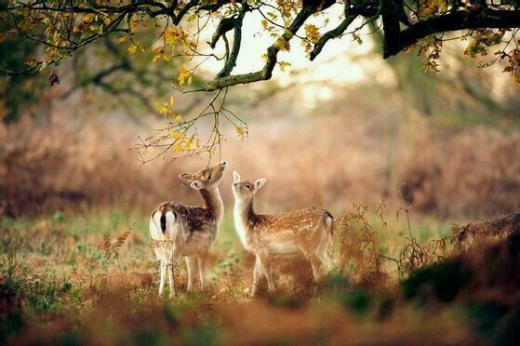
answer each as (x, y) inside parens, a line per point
(309, 231)
(188, 231)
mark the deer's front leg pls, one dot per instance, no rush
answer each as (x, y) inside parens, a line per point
(257, 274)
(202, 269)
(190, 263)
(265, 262)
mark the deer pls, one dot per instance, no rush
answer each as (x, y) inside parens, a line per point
(189, 232)
(307, 231)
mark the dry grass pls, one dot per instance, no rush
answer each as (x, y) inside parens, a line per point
(473, 173)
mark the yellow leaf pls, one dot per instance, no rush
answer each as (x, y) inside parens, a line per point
(122, 39)
(161, 108)
(132, 50)
(312, 32)
(283, 65)
(184, 76)
(241, 131)
(171, 102)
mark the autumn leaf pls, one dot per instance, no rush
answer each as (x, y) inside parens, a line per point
(132, 50)
(283, 65)
(241, 131)
(312, 32)
(185, 76)
(159, 54)
(161, 108)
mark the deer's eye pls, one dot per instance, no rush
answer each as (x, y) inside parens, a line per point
(209, 175)
(248, 186)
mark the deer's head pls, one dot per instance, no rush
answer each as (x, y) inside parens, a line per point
(206, 178)
(243, 190)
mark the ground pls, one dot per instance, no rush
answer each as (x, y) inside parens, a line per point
(91, 278)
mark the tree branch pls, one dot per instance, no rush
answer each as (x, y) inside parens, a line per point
(390, 17)
(237, 38)
(332, 34)
(453, 21)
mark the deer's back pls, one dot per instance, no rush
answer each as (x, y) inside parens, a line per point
(296, 221)
(194, 219)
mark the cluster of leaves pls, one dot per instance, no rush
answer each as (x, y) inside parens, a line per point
(180, 137)
(483, 40)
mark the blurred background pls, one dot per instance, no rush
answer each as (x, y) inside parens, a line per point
(347, 129)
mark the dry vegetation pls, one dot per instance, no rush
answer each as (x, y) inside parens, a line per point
(452, 174)
(91, 279)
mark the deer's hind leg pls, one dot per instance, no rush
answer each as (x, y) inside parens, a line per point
(313, 258)
(315, 265)
(170, 266)
(162, 269)
(323, 252)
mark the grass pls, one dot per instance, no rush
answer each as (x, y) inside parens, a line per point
(59, 285)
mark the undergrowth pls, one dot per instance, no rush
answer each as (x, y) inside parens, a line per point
(92, 278)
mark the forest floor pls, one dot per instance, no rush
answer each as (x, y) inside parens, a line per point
(91, 278)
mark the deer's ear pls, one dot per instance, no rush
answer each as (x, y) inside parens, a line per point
(236, 177)
(196, 184)
(259, 183)
(187, 177)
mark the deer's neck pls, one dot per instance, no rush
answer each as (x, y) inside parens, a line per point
(213, 202)
(245, 218)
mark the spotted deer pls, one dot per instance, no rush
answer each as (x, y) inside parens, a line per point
(308, 231)
(178, 230)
